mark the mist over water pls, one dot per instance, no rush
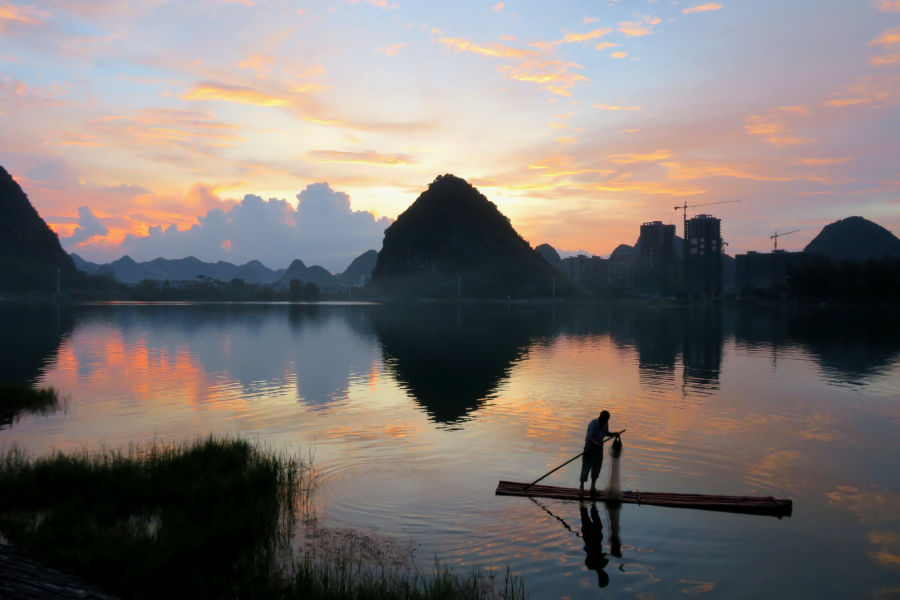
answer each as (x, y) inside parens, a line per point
(416, 411)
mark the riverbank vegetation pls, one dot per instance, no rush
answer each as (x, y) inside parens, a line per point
(19, 399)
(216, 518)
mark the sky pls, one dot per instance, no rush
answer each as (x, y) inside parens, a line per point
(274, 129)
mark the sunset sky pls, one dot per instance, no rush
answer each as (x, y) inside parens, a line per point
(580, 120)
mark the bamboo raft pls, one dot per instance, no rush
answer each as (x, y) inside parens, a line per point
(754, 505)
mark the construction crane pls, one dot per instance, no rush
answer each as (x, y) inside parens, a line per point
(778, 235)
(687, 206)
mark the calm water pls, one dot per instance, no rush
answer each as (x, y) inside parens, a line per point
(415, 413)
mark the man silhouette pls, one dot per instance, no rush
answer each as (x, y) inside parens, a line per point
(592, 459)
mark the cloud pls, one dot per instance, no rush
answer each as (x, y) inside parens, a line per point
(584, 37)
(16, 93)
(619, 54)
(366, 158)
(772, 125)
(588, 20)
(383, 4)
(888, 38)
(875, 91)
(817, 162)
(884, 59)
(190, 129)
(75, 139)
(323, 230)
(233, 93)
(25, 15)
(498, 7)
(531, 66)
(616, 107)
(89, 226)
(702, 8)
(259, 63)
(624, 159)
(566, 141)
(643, 26)
(888, 5)
(605, 45)
(391, 50)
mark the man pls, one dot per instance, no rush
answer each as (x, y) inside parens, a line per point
(592, 459)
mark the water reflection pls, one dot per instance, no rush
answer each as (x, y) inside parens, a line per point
(592, 534)
(31, 334)
(451, 361)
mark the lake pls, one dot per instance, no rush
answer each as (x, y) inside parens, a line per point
(415, 412)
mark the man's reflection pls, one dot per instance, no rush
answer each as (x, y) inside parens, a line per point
(592, 533)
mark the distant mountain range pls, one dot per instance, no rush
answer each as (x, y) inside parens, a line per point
(855, 238)
(127, 270)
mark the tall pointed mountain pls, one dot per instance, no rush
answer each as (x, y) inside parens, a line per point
(452, 235)
(30, 251)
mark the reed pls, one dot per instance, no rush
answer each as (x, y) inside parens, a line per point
(217, 518)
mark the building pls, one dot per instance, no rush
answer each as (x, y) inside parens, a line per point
(656, 269)
(590, 271)
(621, 268)
(767, 271)
(703, 255)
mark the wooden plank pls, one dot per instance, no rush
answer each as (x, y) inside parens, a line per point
(766, 505)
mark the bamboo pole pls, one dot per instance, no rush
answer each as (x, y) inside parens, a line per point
(570, 460)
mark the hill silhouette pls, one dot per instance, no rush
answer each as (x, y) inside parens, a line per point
(550, 255)
(30, 252)
(452, 232)
(314, 274)
(854, 238)
(361, 266)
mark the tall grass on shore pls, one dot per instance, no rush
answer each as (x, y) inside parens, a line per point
(214, 519)
(17, 399)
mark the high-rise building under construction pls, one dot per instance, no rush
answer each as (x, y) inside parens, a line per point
(703, 255)
(656, 268)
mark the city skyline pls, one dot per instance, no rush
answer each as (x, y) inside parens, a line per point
(579, 121)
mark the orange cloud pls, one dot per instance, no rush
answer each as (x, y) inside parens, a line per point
(702, 8)
(233, 93)
(876, 91)
(554, 74)
(584, 37)
(639, 28)
(366, 158)
(27, 15)
(616, 107)
(888, 38)
(75, 139)
(565, 141)
(391, 50)
(379, 3)
(605, 45)
(889, 5)
(498, 7)
(817, 162)
(624, 159)
(257, 62)
(492, 50)
(884, 59)
(588, 20)
(619, 54)
(181, 128)
(772, 126)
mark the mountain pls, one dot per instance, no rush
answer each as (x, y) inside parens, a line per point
(550, 255)
(854, 238)
(361, 267)
(30, 252)
(452, 234)
(127, 270)
(314, 274)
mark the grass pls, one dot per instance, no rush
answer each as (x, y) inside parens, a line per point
(214, 519)
(16, 400)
